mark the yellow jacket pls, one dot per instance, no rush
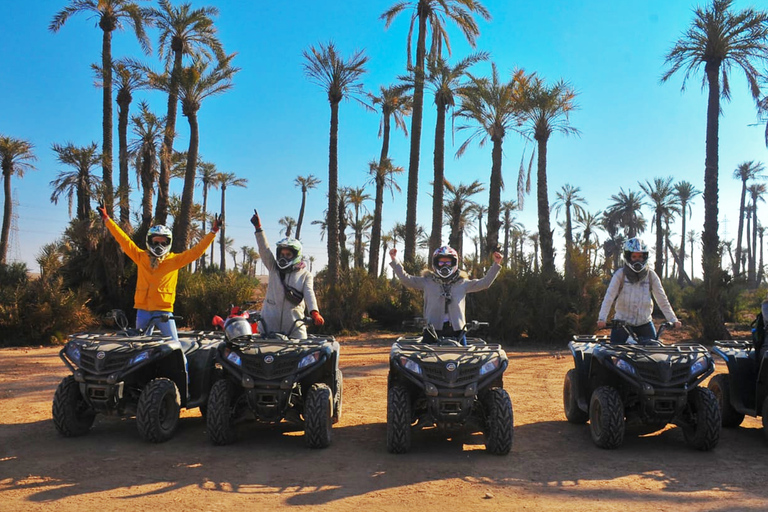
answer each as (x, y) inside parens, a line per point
(156, 287)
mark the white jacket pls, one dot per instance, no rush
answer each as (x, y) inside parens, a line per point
(278, 312)
(634, 304)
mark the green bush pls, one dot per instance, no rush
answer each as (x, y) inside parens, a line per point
(202, 295)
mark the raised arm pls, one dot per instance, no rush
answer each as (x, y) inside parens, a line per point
(475, 285)
(408, 280)
(126, 244)
(267, 258)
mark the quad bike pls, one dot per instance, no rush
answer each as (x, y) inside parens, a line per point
(642, 385)
(453, 383)
(134, 373)
(270, 377)
(744, 389)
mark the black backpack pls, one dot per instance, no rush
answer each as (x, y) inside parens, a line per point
(758, 332)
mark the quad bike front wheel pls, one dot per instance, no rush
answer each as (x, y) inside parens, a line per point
(570, 403)
(720, 385)
(157, 414)
(398, 420)
(338, 401)
(703, 433)
(318, 416)
(606, 418)
(219, 419)
(499, 421)
(71, 414)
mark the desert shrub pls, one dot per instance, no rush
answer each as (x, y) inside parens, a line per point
(202, 295)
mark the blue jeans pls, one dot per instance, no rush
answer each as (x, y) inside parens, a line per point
(166, 328)
(645, 331)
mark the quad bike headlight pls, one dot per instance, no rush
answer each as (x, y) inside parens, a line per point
(141, 356)
(73, 353)
(410, 365)
(309, 359)
(699, 366)
(232, 357)
(489, 366)
(623, 365)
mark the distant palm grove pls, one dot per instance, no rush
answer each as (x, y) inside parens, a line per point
(551, 286)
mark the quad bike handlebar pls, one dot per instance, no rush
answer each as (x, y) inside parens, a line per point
(461, 338)
(621, 324)
(121, 320)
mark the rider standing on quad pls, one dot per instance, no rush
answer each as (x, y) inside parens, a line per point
(290, 288)
(158, 270)
(445, 289)
(630, 288)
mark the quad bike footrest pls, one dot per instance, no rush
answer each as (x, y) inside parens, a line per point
(450, 410)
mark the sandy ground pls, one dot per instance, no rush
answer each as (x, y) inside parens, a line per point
(553, 464)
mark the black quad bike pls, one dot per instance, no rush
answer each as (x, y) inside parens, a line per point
(270, 377)
(453, 383)
(641, 385)
(744, 389)
(134, 373)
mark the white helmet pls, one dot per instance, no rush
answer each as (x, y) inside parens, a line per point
(635, 245)
(295, 247)
(161, 248)
(445, 271)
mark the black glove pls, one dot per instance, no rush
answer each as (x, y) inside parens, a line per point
(256, 221)
(217, 222)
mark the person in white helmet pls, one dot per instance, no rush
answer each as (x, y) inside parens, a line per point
(158, 270)
(632, 290)
(290, 288)
(445, 289)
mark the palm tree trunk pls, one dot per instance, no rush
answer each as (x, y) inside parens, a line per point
(435, 238)
(124, 102)
(373, 250)
(753, 259)
(659, 263)
(545, 233)
(147, 194)
(205, 214)
(166, 150)
(742, 204)
(332, 222)
(682, 247)
(494, 199)
(106, 125)
(83, 199)
(182, 224)
(384, 261)
(712, 314)
(7, 214)
(301, 212)
(222, 231)
(568, 241)
(413, 163)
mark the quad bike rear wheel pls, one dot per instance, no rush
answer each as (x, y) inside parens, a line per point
(570, 389)
(338, 401)
(398, 420)
(720, 385)
(219, 420)
(318, 416)
(71, 414)
(704, 432)
(499, 422)
(157, 414)
(606, 418)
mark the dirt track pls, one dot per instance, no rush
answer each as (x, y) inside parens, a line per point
(553, 464)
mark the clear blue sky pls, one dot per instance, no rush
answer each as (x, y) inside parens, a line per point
(273, 126)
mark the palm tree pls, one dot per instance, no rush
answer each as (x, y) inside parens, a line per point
(569, 199)
(495, 108)
(386, 241)
(306, 183)
(129, 78)
(288, 223)
(225, 180)
(196, 83)
(183, 32)
(665, 203)
(79, 184)
(208, 175)
(685, 192)
(16, 157)
(589, 223)
(383, 175)
(431, 16)
(147, 128)
(357, 198)
(761, 270)
(395, 105)
(340, 79)
(756, 194)
(693, 237)
(479, 211)
(718, 39)
(745, 171)
(547, 109)
(508, 224)
(458, 209)
(112, 14)
(444, 81)
(624, 213)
